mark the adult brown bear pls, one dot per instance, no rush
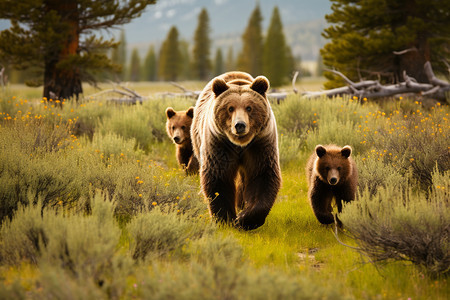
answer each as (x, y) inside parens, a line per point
(234, 137)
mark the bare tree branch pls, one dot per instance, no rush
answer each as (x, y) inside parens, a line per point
(405, 51)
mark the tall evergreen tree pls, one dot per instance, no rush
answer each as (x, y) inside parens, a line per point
(278, 59)
(364, 35)
(135, 66)
(169, 57)
(185, 61)
(230, 64)
(320, 66)
(251, 58)
(219, 67)
(58, 37)
(202, 45)
(119, 57)
(149, 67)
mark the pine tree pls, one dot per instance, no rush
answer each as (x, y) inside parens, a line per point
(58, 37)
(149, 68)
(169, 57)
(119, 57)
(219, 67)
(320, 68)
(251, 58)
(135, 66)
(364, 35)
(202, 45)
(278, 59)
(185, 61)
(230, 64)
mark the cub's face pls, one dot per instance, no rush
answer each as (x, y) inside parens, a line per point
(241, 112)
(178, 125)
(332, 164)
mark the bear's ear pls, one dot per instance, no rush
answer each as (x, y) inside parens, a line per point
(190, 112)
(260, 85)
(320, 150)
(170, 112)
(219, 86)
(346, 151)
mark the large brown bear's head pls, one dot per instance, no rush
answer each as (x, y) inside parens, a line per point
(332, 164)
(241, 109)
(178, 125)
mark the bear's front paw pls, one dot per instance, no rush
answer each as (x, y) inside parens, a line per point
(247, 222)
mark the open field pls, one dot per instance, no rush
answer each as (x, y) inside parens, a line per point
(94, 205)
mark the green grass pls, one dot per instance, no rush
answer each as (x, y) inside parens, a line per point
(121, 153)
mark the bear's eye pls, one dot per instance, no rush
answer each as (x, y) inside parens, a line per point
(231, 109)
(248, 108)
(339, 168)
(173, 127)
(327, 168)
(183, 127)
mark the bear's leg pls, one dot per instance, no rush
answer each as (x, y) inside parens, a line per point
(220, 194)
(240, 202)
(321, 197)
(193, 165)
(260, 193)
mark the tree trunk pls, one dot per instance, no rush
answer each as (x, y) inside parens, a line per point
(62, 78)
(413, 61)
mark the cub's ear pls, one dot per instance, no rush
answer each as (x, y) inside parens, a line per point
(260, 85)
(170, 112)
(219, 86)
(346, 151)
(190, 112)
(320, 150)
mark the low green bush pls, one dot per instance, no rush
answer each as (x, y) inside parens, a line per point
(374, 173)
(415, 142)
(397, 224)
(155, 233)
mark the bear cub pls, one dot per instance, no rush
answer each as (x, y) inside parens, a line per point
(178, 128)
(331, 173)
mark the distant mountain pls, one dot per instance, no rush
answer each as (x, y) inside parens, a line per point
(303, 22)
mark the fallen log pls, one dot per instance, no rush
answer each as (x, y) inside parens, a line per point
(372, 89)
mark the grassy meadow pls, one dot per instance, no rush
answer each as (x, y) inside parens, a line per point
(94, 206)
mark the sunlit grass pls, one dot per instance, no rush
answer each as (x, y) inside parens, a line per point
(86, 144)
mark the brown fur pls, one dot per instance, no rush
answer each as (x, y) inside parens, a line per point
(234, 136)
(178, 128)
(331, 173)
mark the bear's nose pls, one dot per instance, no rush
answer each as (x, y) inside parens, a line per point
(333, 180)
(176, 139)
(240, 127)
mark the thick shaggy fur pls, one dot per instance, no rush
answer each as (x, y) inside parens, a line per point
(234, 136)
(331, 173)
(178, 128)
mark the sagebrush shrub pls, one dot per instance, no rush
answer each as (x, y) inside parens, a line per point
(72, 249)
(155, 233)
(374, 173)
(414, 143)
(396, 224)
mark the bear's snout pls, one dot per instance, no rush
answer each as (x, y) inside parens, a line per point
(240, 127)
(333, 176)
(177, 139)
